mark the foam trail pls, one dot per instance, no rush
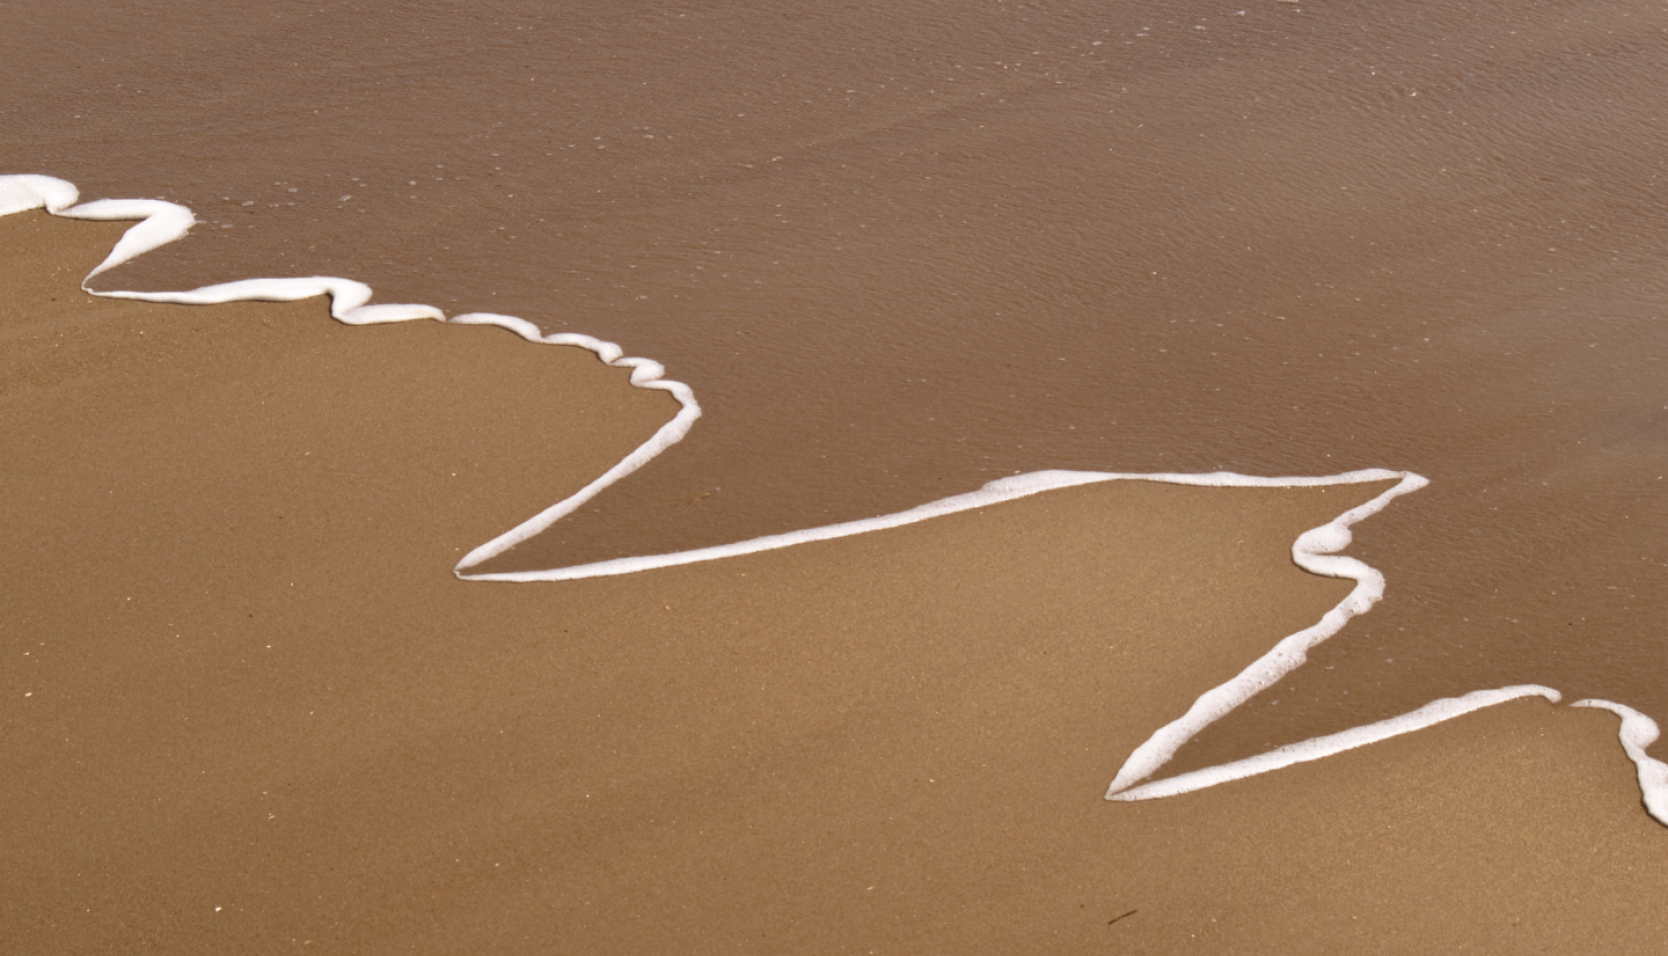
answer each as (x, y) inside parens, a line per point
(1434, 712)
(1000, 490)
(645, 373)
(1312, 551)
(22, 193)
(1638, 732)
(159, 224)
(163, 222)
(1315, 550)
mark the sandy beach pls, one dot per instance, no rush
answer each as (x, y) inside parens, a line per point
(248, 709)
(898, 250)
(895, 251)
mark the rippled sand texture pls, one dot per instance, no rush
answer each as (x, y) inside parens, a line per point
(900, 249)
(245, 709)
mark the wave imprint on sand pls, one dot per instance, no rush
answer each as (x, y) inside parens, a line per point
(1316, 550)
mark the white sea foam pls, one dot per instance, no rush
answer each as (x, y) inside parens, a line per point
(1000, 490)
(19, 193)
(644, 374)
(1434, 712)
(1637, 733)
(1315, 550)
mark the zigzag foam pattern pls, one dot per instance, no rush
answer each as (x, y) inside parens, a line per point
(1315, 550)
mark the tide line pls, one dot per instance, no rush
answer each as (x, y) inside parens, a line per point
(1316, 550)
(1315, 748)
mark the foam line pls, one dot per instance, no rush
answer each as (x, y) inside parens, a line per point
(160, 223)
(1312, 551)
(995, 492)
(1315, 550)
(1434, 712)
(1638, 732)
(645, 373)
(21, 193)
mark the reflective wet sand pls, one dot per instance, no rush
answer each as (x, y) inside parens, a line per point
(899, 250)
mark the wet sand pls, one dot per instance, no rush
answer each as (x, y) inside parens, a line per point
(246, 708)
(899, 250)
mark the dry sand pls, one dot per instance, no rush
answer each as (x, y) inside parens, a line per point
(246, 708)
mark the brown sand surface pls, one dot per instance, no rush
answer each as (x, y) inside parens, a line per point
(245, 708)
(901, 247)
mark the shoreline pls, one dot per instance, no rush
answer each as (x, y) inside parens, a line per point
(160, 223)
(726, 711)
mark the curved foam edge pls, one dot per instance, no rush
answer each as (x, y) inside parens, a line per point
(25, 192)
(1636, 733)
(1432, 713)
(1315, 550)
(160, 223)
(1000, 490)
(645, 373)
(1312, 551)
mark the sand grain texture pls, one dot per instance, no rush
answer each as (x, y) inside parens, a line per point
(245, 708)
